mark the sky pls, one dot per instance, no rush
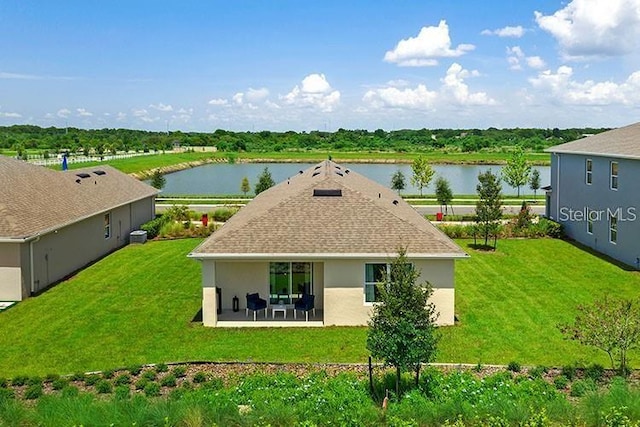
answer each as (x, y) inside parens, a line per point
(252, 65)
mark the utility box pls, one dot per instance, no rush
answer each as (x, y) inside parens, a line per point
(138, 236)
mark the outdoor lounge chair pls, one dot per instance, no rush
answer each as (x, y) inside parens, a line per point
(255, 303)
(305, 304)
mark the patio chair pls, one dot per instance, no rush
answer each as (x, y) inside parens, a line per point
(305, 304)
(255, 303)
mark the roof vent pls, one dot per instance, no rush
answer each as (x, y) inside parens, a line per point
(99, 172)
(315, 174)
(395, 202)
(300, 172)
(83, 175)
(317, 167)
(339, 174)
(327, 192)
(347, 171)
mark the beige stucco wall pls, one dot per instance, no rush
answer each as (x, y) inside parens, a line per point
(10, 272)
(240, 278)
(344, 290)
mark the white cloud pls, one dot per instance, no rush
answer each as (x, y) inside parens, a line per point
(83, 112)
(425, 49)
(238, 98)
(453, 90)
(218, 102)
(161, 107)
(587, 28)
(419, 98)
(63, 113)
(315, 92)
(256, 95)
(121, 116)
(140, 113)
(143, 115)
(515, 56)
(10, 115)
(507, 31)
(455, 86)
(561, 87)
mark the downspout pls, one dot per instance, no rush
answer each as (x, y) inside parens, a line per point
(558, 188)
(31, 263)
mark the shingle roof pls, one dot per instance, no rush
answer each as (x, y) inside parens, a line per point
(623, 142)
(35, 199)
(367, 219)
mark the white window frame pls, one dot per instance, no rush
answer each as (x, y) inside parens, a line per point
(366, 284)
(589, 222)
(613, 229)
(107, 225)
(588, 166)
(613, 178)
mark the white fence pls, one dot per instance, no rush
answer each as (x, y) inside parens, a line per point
(57, 159)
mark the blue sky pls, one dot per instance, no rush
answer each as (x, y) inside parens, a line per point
(319, 65)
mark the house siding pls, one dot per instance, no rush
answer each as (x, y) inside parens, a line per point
(10, 272)
(572, 198)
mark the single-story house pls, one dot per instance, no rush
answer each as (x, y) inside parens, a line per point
(594, 192)
(53, 223)
(328, 232)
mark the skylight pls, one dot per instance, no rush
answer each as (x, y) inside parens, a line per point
(327, 192)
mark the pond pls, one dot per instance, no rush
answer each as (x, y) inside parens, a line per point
(224, 178)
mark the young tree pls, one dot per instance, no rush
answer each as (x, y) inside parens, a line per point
(158, 180)
(402, 328)
(265, 181)
(443, 193)
(516, 172)
(244, 186)
(534, 182)
(611, 325)
(422, 173)
(489, 205)
(398, 181)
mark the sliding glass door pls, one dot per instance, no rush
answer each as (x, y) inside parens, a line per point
(289, 280)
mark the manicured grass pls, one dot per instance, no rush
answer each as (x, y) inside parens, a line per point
(137, 306)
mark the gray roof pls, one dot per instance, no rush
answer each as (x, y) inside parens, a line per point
(367, 219)
(35, 200)
(623, 142)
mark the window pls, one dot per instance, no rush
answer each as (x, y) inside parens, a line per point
(613, 228)
(289, 280)
(589, 168)
(590, 214)
(614, 175)
(107, 225)
(375, 274)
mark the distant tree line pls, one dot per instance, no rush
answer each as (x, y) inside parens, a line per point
(103, 141)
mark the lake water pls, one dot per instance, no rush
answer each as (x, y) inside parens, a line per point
(224, 178)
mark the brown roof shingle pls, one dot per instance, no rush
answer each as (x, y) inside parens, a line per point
(35, 199)
(623, 142)
(367, 219)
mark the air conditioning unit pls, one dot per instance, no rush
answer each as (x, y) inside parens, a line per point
(138, 236)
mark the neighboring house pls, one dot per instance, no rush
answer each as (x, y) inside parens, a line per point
(326, 231)
(594, 192)
(53, 223)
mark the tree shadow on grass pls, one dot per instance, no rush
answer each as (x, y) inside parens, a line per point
(606, 258)
(481, 247)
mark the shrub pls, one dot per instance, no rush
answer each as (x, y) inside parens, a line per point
(6, 394)
(19, 380)
(153, 227)
(49, 378)
(199, 377)
(4, 382)
(134, 369)
(514, 367)
(551, 228)
(70, 391)
(149, 375)
(34, 381)
(168, 381)
(179, 371)
(152, 389)
(561, 382)
(538, 371)
(581, 387)
(122, 379)
(141, 383)
(162, 367)
(78, 376)
(59, 384)
(108, 374)
(104, 387)
(91, 379)
(222, 214)
(595, 372)
(569, 371)
(34, 391)
(122, 392)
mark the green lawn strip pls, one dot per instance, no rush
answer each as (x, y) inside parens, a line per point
(137, 305)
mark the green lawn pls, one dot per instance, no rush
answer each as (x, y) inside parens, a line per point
(137, 305)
